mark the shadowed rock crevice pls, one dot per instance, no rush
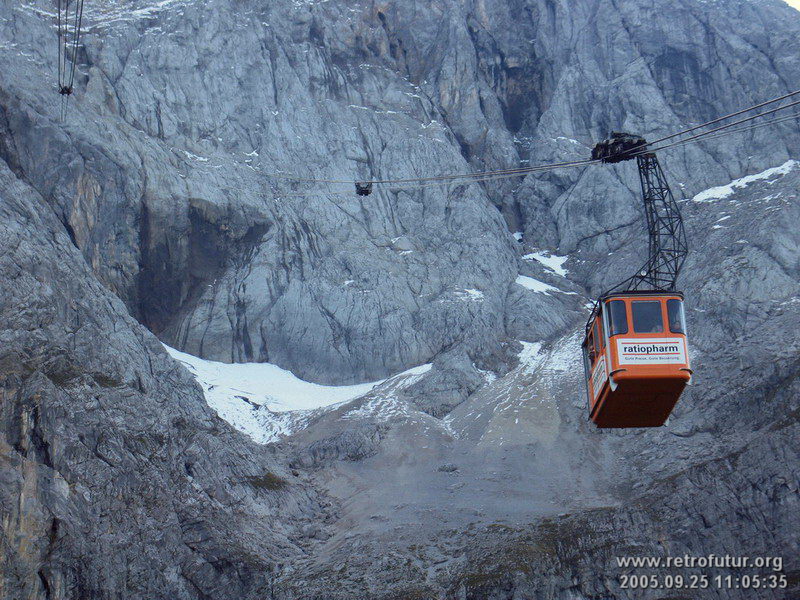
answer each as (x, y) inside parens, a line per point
(178, 266)
(8, 150)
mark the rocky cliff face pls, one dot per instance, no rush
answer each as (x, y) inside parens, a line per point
(162, 203)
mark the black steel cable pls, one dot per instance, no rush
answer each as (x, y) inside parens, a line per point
(725, 132)
(524, 170)
(510, 172)
(721, 128)
(76, 39)
(69, 32)
(61, 45)
(733, 114)
(409, 184)
(477, 177)
(717, 120)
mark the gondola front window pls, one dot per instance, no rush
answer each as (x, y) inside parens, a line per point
(647, 316)
(677, 321)
(617, 317)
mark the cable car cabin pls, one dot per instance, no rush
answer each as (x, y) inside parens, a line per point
(635, 358)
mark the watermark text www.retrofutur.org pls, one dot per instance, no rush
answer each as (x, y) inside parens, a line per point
(701, 572)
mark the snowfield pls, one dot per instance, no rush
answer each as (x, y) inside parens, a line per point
(552, 262)
(535, 285)
(723, 191)
(267, 402)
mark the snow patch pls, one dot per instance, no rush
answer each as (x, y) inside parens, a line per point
(560, 358)
(529, 355)
(469, 294)
(265, 384)
(552, 262)
(535, 285)
(109, 14)
(195, 157)
(265, 401)
(385, 403)
(488, 376)
(723, 191)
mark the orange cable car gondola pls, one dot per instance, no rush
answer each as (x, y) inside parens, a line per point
(636, 358)
(635, 353)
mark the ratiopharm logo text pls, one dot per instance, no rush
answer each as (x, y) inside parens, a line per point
(651, 351)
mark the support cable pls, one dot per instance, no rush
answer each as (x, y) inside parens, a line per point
(716, 129)
(69, 32)
(728, 116)
(723, 133)
(486, 175)
(477, 175)
(466, 180)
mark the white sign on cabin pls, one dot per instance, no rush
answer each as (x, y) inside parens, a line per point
(645, 351)
(599, 376)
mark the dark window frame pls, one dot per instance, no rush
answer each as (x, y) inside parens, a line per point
(681, 315)
(587, 371)
(614, 322)
(599, 339)
(590, 347)
(641, 306)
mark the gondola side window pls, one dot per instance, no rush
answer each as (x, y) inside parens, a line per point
(677, 321)
(647, 317)
(590, 347)
(599, 339)
(587, 363)
(617, 317)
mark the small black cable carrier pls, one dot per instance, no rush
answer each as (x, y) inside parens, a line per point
(70, 18)
(363, 188)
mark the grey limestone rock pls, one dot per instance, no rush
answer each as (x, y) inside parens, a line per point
(166, 207)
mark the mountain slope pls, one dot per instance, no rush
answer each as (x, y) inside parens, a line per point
(163, 199)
